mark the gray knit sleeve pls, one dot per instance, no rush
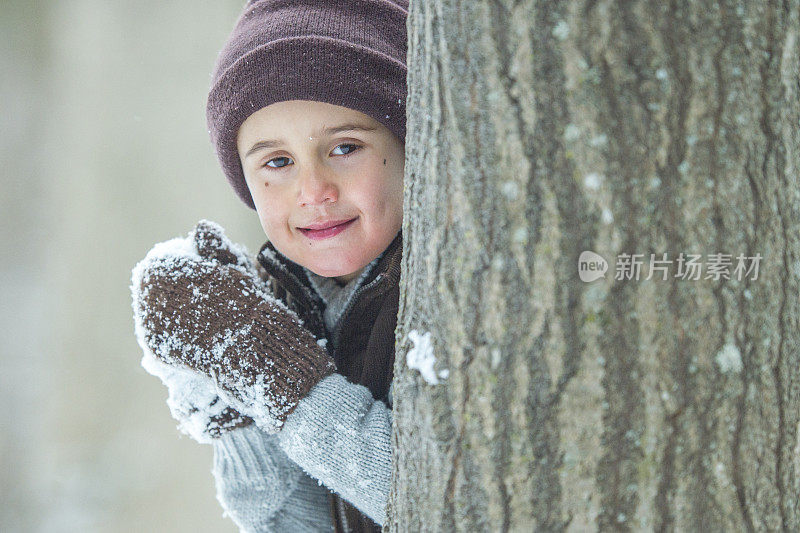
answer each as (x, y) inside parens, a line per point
(262, 490)
(341, 435)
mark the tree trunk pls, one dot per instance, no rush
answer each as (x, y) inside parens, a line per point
(537, 131)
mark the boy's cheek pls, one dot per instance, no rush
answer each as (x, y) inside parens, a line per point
(265, 218)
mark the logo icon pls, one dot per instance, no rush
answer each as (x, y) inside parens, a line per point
(591, 266)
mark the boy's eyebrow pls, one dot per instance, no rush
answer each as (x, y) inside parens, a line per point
(331, 130)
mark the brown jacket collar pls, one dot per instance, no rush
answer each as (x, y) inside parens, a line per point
(293, 279)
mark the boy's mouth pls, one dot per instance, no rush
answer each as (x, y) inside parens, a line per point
(323, 230)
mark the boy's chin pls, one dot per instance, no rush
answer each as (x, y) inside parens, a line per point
(338, 272)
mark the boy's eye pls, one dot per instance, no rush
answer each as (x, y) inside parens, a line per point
(354, 147)
(267, 164)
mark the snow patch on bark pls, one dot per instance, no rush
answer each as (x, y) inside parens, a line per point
(729, 359)
(420, 357)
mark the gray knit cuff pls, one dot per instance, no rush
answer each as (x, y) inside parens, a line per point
(341, 435)
(308, 509)
(262, 490)
(253, 475)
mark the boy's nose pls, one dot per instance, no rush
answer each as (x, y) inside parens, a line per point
(315, 187)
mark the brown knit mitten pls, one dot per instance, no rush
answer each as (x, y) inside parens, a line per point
(217, 318)
(193, 400)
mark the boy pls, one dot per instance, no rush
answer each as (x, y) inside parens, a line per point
(285, 365)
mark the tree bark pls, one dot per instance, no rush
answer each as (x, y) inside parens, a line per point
(537, 131)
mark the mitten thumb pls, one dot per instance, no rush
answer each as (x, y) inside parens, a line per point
(212, 243)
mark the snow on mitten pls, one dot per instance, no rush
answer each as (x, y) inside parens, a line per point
(218, 319)
(193, 401)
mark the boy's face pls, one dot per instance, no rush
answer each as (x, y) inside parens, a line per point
(303, 180)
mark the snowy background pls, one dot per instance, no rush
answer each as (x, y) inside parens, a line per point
(104, 153)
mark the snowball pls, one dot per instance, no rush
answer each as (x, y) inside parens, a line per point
(192, 396)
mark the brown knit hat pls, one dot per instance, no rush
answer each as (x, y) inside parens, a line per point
(348, 53)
